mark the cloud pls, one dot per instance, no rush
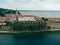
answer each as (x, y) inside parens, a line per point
(22, 1)
(31, 4)
(2, 1)
(28, 0)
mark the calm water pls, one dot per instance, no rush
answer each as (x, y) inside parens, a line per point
(49, 38)
(47, 14)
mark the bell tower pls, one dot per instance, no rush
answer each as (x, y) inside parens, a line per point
(17, 15)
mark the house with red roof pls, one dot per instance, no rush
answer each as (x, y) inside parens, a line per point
(3, 20)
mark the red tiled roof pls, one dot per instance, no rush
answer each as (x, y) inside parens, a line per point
(21, 16)
(2, 23)
(3, 18)
(11, 16)
(53, 18)
(28, 16)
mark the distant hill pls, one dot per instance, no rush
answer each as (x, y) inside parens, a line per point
(7, 11)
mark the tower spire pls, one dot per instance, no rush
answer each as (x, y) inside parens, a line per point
(17, 15)
(16, 12)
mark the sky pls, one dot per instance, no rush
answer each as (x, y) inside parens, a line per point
(30, 4)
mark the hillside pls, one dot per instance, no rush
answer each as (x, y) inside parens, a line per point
(7, 11)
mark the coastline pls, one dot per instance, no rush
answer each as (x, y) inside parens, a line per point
(36, 31)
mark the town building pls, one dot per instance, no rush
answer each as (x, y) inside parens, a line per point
(54, 19)
(3, 20)
(54, 23)
(27, 17)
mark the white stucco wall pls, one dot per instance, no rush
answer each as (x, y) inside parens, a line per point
(26, 19)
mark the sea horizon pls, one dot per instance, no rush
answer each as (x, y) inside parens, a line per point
(42, 13)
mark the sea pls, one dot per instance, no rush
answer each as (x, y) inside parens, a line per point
(42, 38)
(42, 13)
